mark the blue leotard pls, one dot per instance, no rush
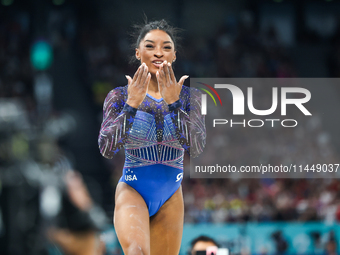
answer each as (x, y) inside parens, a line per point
(154, 137)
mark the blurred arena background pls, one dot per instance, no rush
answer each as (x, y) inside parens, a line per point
(60, 58)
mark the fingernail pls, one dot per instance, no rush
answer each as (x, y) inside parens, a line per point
(126, 76)
(165, 62)
(186, 76)
(169, 64)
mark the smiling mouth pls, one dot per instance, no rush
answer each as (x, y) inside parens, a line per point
(157, 63)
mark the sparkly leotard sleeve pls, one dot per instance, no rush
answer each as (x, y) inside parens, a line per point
(154, 137)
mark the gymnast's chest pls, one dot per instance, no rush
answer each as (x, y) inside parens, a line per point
(148, 127)
(152, 124)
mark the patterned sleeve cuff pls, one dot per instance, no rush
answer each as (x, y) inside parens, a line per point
(129, 109)
(175, 105)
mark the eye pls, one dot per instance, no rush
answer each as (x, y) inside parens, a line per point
(168, 47)
(149, 46)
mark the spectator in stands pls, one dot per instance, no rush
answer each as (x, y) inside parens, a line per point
(201, 243)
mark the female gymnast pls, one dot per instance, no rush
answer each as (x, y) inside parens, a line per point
(149, 117)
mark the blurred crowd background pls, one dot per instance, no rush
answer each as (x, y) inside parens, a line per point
(60, 58)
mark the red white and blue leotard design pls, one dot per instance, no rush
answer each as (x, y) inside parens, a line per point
(154, 137)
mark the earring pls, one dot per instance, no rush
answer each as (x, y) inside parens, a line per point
(173, 60)
(138, 58)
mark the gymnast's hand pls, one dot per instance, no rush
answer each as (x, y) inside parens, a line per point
(167, 84)
(138, 86)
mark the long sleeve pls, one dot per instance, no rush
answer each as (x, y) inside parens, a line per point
(118, 118)
(189, 124)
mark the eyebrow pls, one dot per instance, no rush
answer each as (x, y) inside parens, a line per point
(154, 42)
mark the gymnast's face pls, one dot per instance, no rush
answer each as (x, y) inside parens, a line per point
(156, 47)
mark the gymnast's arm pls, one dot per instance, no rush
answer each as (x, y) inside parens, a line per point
(189, 128)
(118, 118)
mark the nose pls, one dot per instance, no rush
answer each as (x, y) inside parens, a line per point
(158, 52)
